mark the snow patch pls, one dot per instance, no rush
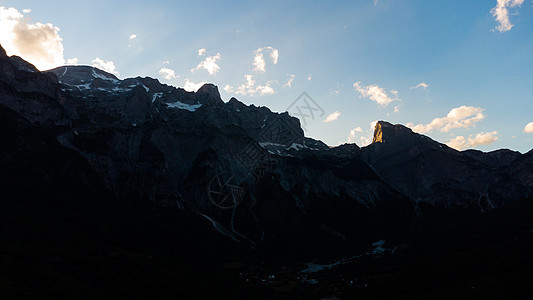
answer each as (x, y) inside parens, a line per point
(156, 95)
(298, 147)
(181, 105)
(378, 247)
(96, 75)
(118, 89)
(264, 144)
(83, 86)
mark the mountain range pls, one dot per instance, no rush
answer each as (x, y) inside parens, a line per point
(93, 167)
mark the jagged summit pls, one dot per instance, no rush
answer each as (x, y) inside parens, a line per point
(78, 75)
(3, 52)
(398, 136)
(149, 141)
(385, 132)
(209, 94)
(378, 131)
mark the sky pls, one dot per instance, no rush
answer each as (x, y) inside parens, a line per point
(458, 71)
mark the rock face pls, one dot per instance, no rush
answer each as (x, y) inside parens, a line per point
(429, 172)
(244, 170)
(28, 91)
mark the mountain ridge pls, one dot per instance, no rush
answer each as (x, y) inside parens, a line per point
(134, 188)
(150, 142)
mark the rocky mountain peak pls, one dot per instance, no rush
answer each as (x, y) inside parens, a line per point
(79, 75)
(2, 51)
(209, 93)
(23, 65)
(385, 132)
(23, 77)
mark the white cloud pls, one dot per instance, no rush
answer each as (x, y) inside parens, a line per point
(166, 62)
(289, 83)
(209, 63)
(229, 89)
(459, 117)
(201, 51)
(26, 10)
(375, 93)
(132, 36)
(332, 117)
(397, 108)
(364, 137)
(192, 86)
(461, 142)
(375, 2)
(529, 128)
(249, 88)
(264, 89)
(167, 73)
(259, 61)
(72, 61)
(501, 13)
(353, 133)
(37, 43)
(107, 66)
(309, 77)
(420, 85)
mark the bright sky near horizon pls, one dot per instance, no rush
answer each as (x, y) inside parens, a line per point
(458, 71)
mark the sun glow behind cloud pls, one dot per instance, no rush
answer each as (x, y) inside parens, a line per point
(38, 43)
(528, 128)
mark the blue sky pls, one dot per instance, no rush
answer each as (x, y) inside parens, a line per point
(460, 72)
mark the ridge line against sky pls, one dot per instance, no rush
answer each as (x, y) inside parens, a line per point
(458, 72)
